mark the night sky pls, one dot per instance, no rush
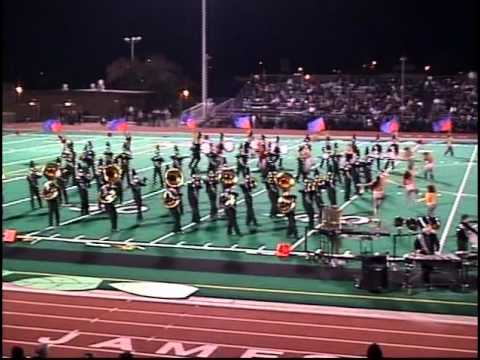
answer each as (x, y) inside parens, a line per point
(73, 41)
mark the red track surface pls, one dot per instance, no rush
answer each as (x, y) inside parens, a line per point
(219, 331)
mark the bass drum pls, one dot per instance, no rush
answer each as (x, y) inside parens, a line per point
(228, 146)
(205, 148)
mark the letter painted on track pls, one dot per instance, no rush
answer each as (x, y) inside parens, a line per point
(64, 339)
(177, 348)
(261, 353)
(121, 343)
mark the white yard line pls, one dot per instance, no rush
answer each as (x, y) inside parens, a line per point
(443, 238)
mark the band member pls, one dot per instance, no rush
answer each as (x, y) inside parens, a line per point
(242, 161)
(320, 185)
(127, 144)
(193, 191)
(347, 177)
(136, 186)
(331, 190)
(211, 183)
(83, 183)
(307, 141)
(157, 160)
(108, 194)
(355, 171)
(176, 158)
(378, 191)
(449, 149)
(214, 161)
(277, 151)
(262, 152)
(428, 165)
(32, 179)
(88, 157)
(290, 213)
(308, 199)
(304, 162)
(367, 169)
(196, 150)
(464, 229)
(272, 191)
(229, 202)
(70, 161)
(247, 188)
(395, 146)
(119, 182)
(409, 156)
(108, 153)
(173, 196)
(410, 187)
(431, 199)
(99, 174)
(51, 193)
(427, 243)
(62, 181)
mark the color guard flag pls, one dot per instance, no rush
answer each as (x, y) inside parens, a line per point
(117, 125)
(243, 122)
(54, 126)
(444, 124)
(390, 125)
(316, 126)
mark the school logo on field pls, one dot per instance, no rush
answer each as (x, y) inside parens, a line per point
(122, 209)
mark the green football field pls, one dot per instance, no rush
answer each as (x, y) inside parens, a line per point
(88, 237)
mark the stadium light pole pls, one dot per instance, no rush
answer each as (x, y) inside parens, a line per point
(132, 40)
(403, 59)
(204, 61)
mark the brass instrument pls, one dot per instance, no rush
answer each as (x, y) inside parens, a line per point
(228, 177)
(51, 170)
(230, 200)
(170, 199)
(174, 178)
(50, 190)
(111, 174)
(286, 203)
(285, 181)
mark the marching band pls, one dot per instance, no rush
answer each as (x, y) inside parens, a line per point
(112, 173)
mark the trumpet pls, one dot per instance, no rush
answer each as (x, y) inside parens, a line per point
(174, 178)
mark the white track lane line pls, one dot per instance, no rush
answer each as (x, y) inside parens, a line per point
(443, 238)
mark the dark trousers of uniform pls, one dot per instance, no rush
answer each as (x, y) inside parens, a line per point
(138, 203)
(91, 166)
(99, 182)
(157, 172)
(378, 164)
(300, 172)
(53, 212)
(273, 196)
(212, 197)
(126, 173)
(63, 195)
(195, 211)
(356, 182)
(241, 169)
(320, 206)
(35, 193)
(250, 211)
(292, 225)
(112, 214)
(332, 196)
(232, 221)
(176, 218)
(462, 244)
(310, 213)
(120, 191)
(426, 271)
(449, 151)
(389, 163)
(194, 162)
(347, 188)
(84, 201)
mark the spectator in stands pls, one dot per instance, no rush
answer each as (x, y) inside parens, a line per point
(127, 355)
(41, 352)
(17, 353)
(374, 352)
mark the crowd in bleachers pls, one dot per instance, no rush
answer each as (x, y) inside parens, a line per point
(361, 102)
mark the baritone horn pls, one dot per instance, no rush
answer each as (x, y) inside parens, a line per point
(228, 177)
(285, 181)
(174, 178)
(111, 174)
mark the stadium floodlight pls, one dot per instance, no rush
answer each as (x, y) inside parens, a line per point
(427, 68)
(374, 63)
(300, 69)
(185, 93)
(307, 77)
(19, 90)
(132, 40)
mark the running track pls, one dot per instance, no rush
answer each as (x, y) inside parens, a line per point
(221, 328)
